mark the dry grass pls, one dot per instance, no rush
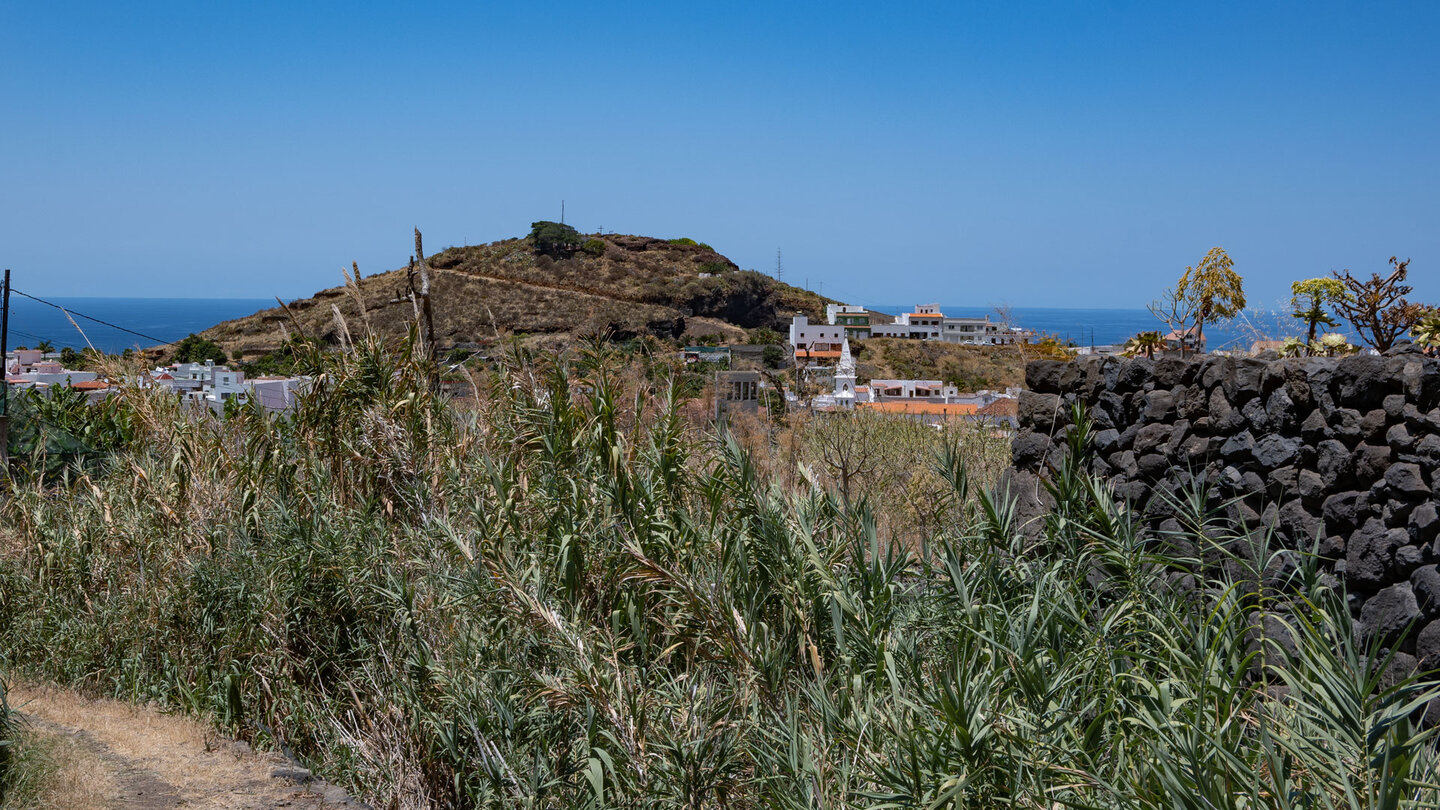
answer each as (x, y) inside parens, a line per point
(57, 771)
(99, 752)
(970, 367)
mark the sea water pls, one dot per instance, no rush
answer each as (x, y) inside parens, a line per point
(157, 320)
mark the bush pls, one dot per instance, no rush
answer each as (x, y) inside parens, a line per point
(772, 356)
(554, 238)
(594, 247)
(195, 349)
(684, 241)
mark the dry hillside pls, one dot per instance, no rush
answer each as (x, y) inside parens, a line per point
(634, 285)
(970, 367)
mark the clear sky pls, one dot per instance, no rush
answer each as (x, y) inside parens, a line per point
(1040, 154)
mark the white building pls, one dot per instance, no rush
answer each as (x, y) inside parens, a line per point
(815, 344)
(925, 323)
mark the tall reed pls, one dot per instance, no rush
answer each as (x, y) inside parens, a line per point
(567, 597)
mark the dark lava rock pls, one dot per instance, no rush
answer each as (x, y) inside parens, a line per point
(1107, 440)
(1427, 647)
(1276, 451)
(1225, 418)
(1151, 437)
(1425, 522)
(1362, 380)
(1134, 374)
(1370, 554)
(1398, 437)
(1257, 416)
(1042, 412)
(1028, 449)
(1345, 424)
(1372, 426)
(1159, 405)
(1391, 612)
(1335, 463)
(1238, 447)
(1394, 406)
(1406, 479)
(1310, 485)
(1314, 428)
(1344, 511)
(1153, 465)
(1371, 460)
(1425, 582)
(1302, 526)
(1043, 376)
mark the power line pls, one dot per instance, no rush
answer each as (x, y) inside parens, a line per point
(158, 341)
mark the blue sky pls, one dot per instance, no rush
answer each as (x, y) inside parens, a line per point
(1042, 154)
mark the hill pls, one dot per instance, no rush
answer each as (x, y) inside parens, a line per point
(617, 284)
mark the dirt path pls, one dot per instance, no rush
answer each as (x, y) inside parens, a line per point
(129, 758)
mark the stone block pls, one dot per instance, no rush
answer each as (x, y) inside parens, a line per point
(1344, 511)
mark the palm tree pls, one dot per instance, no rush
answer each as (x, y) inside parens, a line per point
(45, 346)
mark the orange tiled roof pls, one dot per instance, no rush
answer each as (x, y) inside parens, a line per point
(933, 408)
(1001, 407)
(91, 385)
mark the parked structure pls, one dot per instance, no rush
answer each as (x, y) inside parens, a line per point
(736, 392)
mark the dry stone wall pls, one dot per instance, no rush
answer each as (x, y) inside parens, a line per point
(1338, 455)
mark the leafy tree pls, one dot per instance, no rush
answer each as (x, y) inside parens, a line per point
(69, 358)
(772, 356)
(195, 349)
(594, 247)
(554, 238)
(1311, 300)
(1215, 291)
(1376, 307)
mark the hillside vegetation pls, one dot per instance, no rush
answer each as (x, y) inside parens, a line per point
(618, 285)
(567, 597)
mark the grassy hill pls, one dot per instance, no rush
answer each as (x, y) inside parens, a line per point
(622, 285)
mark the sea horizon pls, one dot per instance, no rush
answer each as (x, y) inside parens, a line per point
(163, 319)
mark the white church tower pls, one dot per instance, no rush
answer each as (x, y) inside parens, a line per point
(845, 378)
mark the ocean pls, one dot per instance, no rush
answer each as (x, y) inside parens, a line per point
(158, 320)
(162, 320)
(1110, 326)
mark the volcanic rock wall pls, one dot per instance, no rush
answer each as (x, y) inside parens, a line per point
(1336, 455)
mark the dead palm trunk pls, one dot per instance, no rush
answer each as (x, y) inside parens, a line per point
(429, 324)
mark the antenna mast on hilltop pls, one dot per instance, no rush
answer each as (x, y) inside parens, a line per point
(779, 268)
(562, 212)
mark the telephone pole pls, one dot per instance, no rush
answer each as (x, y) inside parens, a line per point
(4, 382)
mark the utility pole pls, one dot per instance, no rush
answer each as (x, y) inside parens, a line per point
(4, 382)
(562, 212)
